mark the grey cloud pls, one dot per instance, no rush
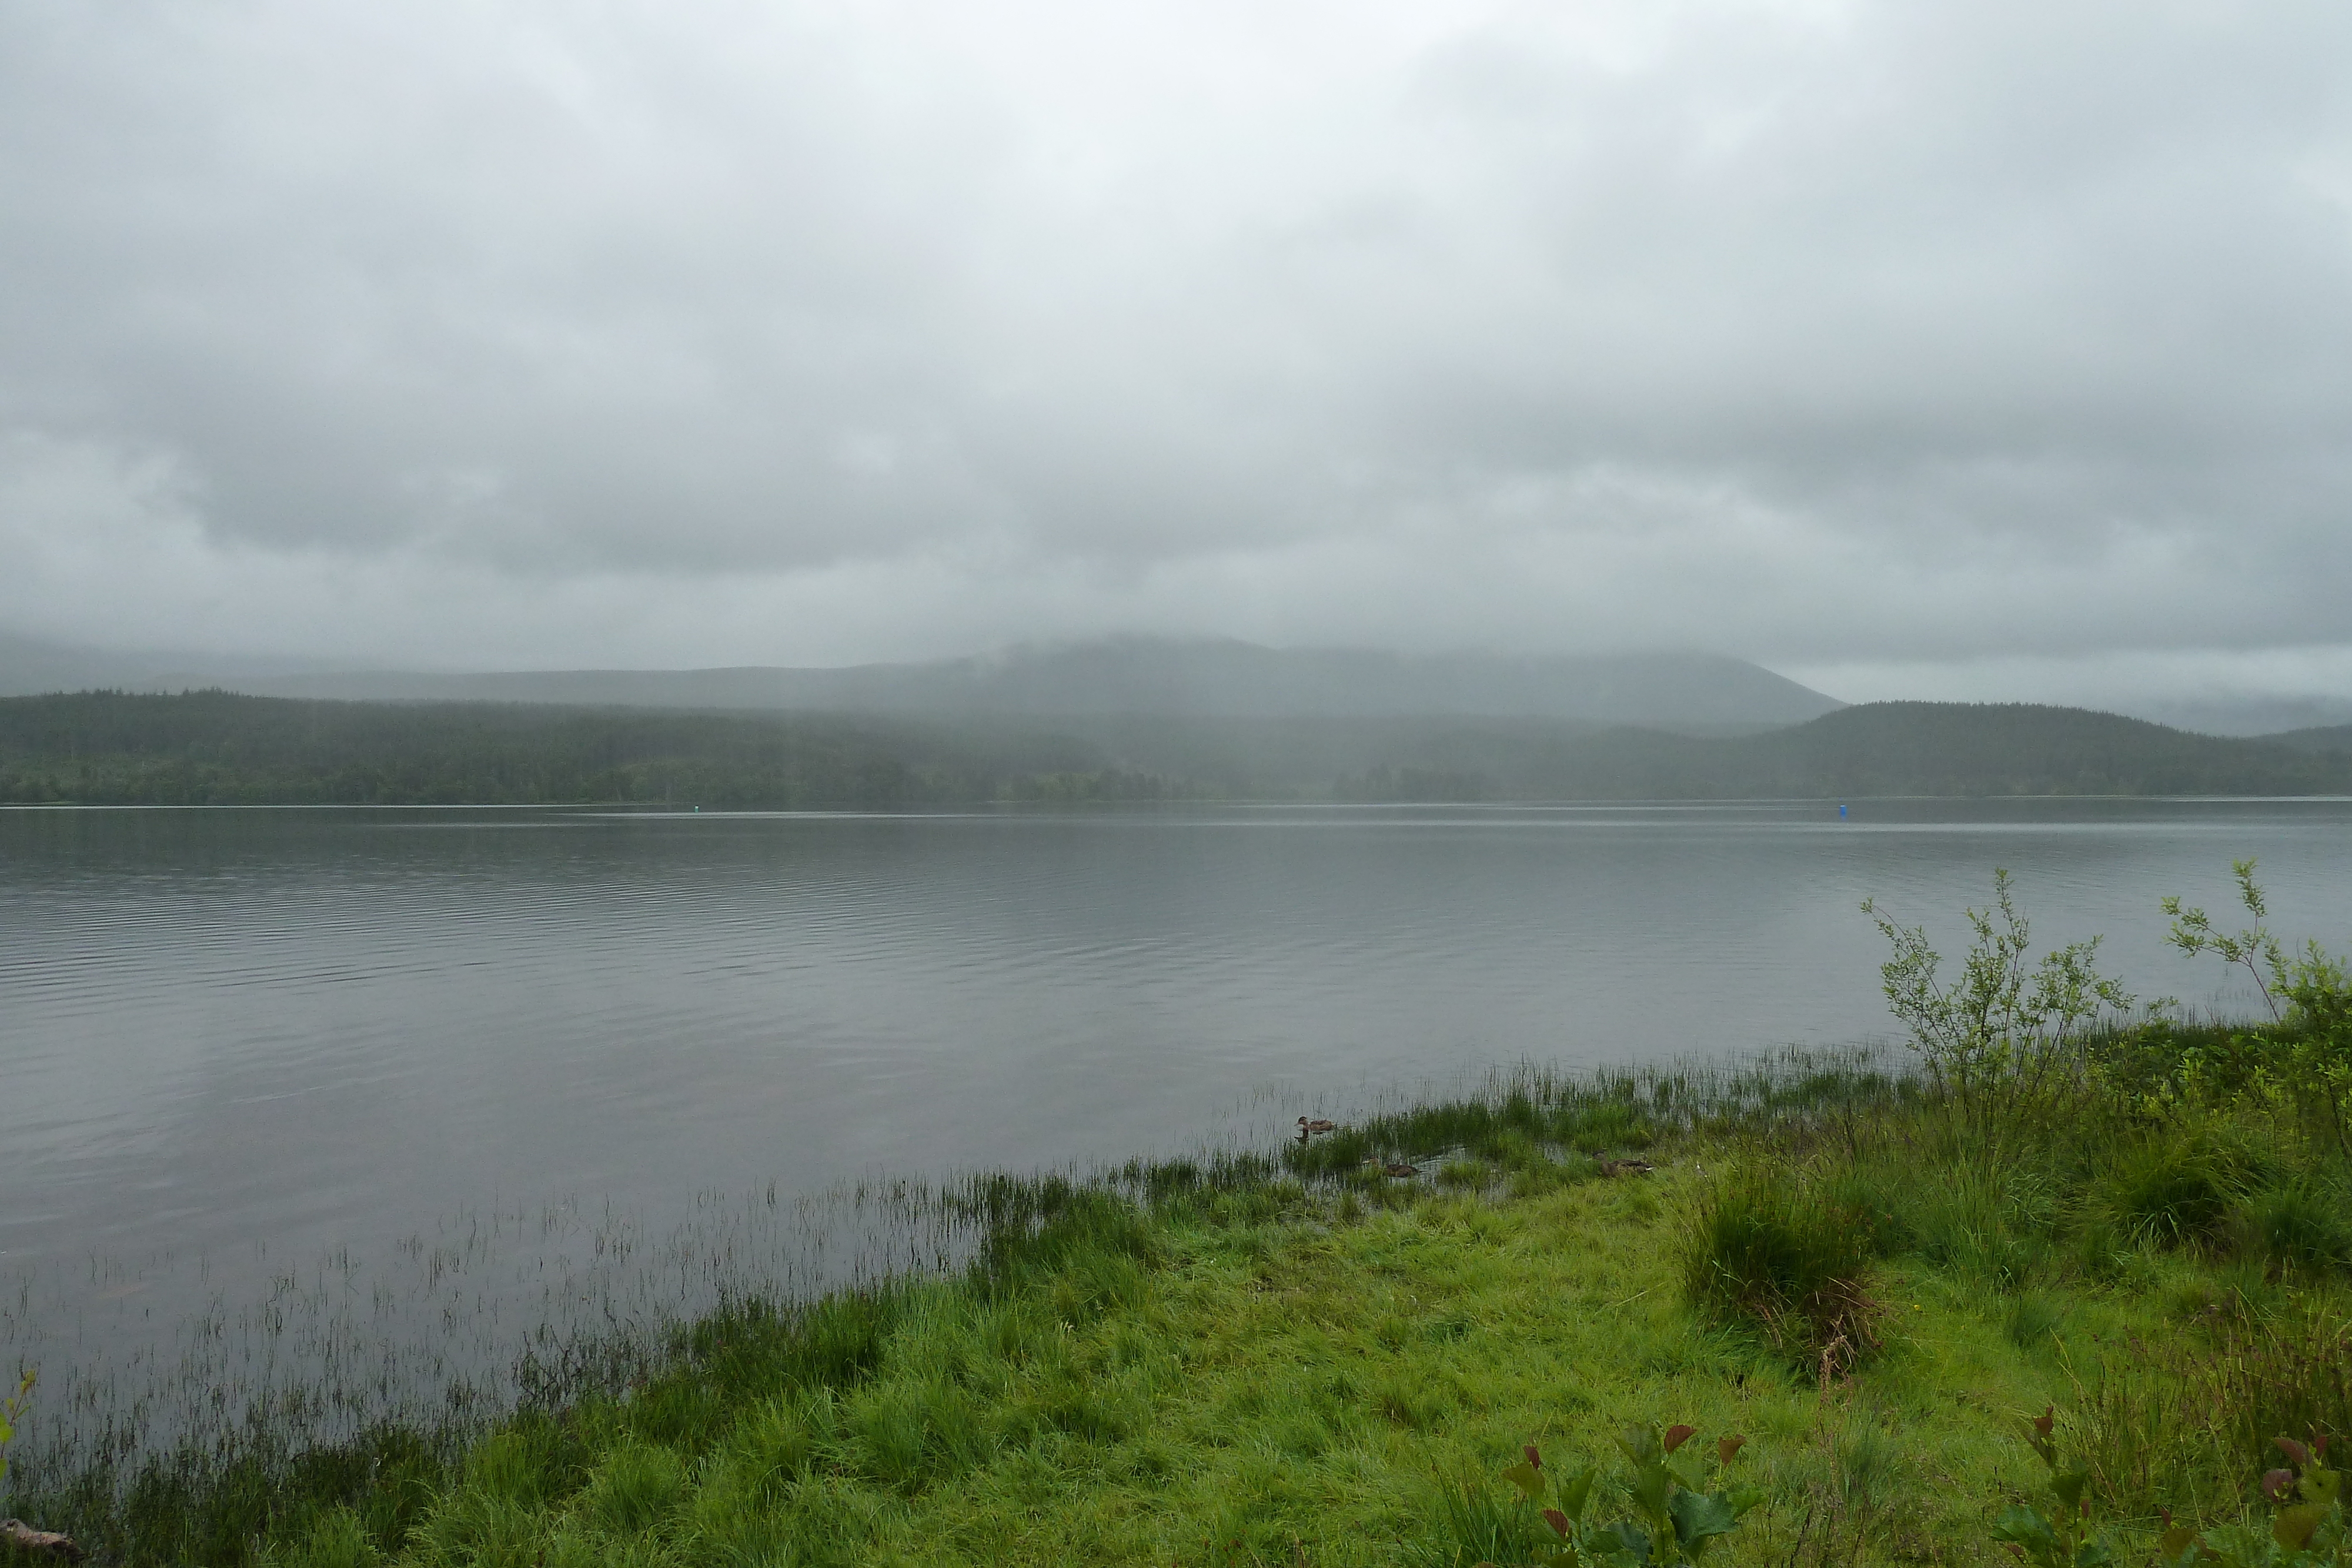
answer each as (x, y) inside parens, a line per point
(1854, 336)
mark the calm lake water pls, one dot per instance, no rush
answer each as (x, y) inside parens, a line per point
(226, 1033)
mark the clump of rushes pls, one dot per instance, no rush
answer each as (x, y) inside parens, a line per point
(2173, 1188)
(1676, 1493)
(1770, 1247)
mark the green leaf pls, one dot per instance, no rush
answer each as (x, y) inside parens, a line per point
(2026, 1529)
(1623, 1541)
(1651, 1489)
(2068, 1487)
(1576, 1491)
(2235, 1546)
(2294, 1527)
(2179, 1547)
(1689, 1467)
(1639, 1445)
(1699, 1518)
(1527, 1478)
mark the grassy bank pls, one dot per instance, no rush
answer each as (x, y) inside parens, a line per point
(1317, 1355)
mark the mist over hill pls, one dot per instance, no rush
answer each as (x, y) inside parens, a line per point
(221, 748)
(2328, 737)
(1213, 679)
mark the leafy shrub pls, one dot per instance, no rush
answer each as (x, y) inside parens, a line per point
(2303, 1061)
(1764, 1245)
(2003, 1034)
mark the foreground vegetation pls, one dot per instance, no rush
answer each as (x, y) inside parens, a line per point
(1333, 1354)
(218, 749)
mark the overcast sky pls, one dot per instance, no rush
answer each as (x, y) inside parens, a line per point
(1957, 350)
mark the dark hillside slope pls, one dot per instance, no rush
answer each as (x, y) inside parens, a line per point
(216, 748)
(219, 748)
(1877, 748)
(2326, 737)
(2018, 748)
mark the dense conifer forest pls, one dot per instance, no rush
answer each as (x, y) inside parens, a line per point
(216, 747)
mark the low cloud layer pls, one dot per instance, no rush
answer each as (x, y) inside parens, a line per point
(1983, 350)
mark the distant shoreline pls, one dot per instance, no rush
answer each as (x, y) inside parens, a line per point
(216, 749)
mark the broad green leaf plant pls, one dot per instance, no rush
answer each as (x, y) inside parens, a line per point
(1680, 1503)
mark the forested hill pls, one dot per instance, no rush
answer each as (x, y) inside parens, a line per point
(213, 747)
(2330, 737)
(1914, 749)
(218, 749)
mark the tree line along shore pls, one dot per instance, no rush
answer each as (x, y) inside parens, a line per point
(214, 748)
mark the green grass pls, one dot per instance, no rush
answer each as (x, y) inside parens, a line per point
(1226, 1384)
(1296, 1357)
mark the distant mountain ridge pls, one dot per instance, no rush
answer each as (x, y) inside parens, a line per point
(1131, 676)
(1913, 748)
(220, 748)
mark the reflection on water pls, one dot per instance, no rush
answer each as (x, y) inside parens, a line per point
(251, 1037)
